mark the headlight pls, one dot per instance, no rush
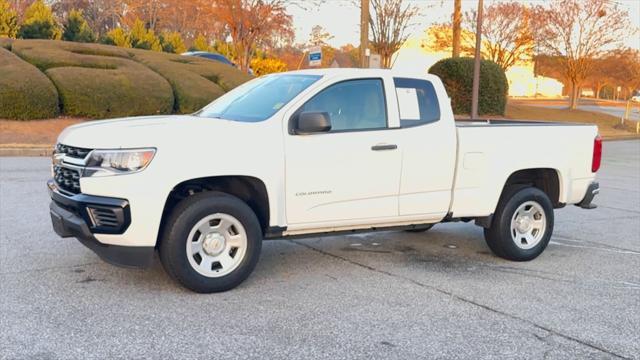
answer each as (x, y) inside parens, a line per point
(114, 162)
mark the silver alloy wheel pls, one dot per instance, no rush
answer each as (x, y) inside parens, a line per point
(528, 225)
(216, 245)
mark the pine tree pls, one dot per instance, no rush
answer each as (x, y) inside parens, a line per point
(117, 37)
(200, 43)
(142, 38)
(39, 23)
(76, 29)
(172, 42)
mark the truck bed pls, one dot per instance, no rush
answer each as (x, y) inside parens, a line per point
(490, 151)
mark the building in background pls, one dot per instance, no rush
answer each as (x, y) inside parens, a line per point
(524, 83)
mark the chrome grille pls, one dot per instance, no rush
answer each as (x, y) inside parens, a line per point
(71, 151)
(67, 179)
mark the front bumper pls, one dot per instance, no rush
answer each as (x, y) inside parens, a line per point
(592, 191)
(71, 216)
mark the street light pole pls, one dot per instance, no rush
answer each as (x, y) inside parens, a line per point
(476, 64)
(364, 32)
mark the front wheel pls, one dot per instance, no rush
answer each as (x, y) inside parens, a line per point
(522, 224)
(211, 243)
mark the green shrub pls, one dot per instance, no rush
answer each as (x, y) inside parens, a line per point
(39, 23)
(25, 92)
(457, 76)
(98, 81)
(195, 81)
(76, 28)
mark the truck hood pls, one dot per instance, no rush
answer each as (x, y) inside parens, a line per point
(145, 131)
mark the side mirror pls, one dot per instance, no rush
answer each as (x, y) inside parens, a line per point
(312, 122)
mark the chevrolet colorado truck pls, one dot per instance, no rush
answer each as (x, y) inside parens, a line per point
(307, 153)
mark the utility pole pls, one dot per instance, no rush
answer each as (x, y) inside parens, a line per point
(457, 24)
(364, 32)
(476, 63)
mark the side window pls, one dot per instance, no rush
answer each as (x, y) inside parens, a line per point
(417, 101)
(352, 105)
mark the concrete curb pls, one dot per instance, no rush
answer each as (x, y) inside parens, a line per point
(621, 137)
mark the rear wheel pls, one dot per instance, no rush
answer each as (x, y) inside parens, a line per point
(522, 225)
(212, 242)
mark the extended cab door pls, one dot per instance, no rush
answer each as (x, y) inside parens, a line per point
(350, 174)
(427, 137)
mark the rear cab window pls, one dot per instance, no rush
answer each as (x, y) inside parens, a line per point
(417, 102)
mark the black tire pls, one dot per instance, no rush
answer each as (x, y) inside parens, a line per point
(499, 237)
(420, 228)
(187, 213)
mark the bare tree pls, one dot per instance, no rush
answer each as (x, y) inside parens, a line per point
(149, 11)
(389, 21)
(439, 37)
(102, 15)
(319, 36)
(506, 35)
(607, 72)
(579, 31)
(618, 68)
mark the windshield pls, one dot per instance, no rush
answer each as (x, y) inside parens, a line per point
(259, 99)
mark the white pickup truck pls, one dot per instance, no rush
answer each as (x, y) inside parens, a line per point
(307, 153)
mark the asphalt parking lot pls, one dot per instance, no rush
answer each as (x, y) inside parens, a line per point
(389, 295)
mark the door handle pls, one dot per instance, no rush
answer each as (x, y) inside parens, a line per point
(382, 147)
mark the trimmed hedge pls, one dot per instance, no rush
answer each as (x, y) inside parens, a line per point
(195, 81)
(6, 43)
(98, 81)
(457, 76)
(25, 92)
(103, 81)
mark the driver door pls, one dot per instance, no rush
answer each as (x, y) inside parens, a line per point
(351, 173)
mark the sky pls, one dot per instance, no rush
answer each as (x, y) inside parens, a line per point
(341, 18)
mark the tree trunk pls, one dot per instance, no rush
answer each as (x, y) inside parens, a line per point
(386, 61)
(457, 30)
(573, 96)
(243, 57)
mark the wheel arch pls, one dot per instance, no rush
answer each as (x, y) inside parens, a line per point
(548, 180)
(249, 189)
